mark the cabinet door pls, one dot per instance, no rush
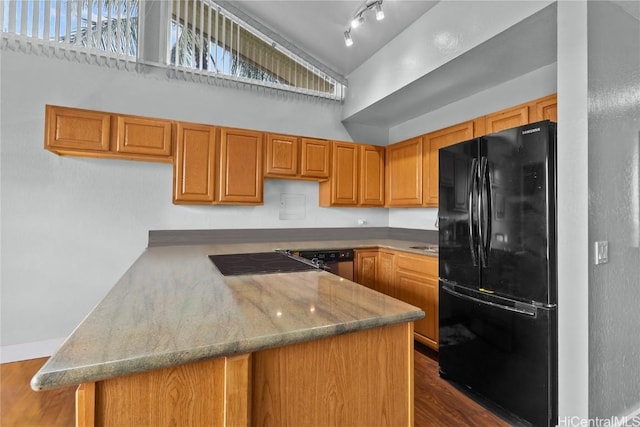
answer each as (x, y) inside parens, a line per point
(71, 129)
(194, 163)
(138, 135)
(366, 268)
(404, 173)
(281, 156)
(546, 109)
(315, 158)
(240, 166)
(342, 187)
(371, 191)
(433, 142)
(416, 282)
(507, 119)
(386, 272)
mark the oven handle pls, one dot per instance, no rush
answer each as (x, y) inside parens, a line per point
(523, 308)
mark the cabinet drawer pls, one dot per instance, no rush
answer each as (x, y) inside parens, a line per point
(418, 263)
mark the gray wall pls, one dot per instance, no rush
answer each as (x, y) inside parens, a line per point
(614, 209)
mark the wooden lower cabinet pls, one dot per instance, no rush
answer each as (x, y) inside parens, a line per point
(416, 282)
(360, 378)
(408, 277)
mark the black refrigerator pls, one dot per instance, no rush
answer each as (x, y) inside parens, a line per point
(497, 268)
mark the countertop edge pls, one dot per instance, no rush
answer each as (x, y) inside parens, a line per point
(70, 377)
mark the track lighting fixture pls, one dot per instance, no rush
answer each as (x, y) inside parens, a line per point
(347, 38)
(358, 19)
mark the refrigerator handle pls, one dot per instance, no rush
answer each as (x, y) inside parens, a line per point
(472, 189)
(485, 219)
(522, 308)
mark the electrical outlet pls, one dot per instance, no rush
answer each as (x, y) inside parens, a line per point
(602, 252)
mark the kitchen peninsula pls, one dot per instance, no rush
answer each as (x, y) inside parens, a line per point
(176, 342)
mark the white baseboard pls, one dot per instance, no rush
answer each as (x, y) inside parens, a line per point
(30, 350)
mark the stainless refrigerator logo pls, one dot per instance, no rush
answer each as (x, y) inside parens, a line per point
(528, 131)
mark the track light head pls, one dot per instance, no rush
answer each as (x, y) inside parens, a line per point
(379, 11)
(347, 38)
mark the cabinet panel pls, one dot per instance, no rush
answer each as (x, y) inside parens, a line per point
(366, 268)
(422, 292)
(404, 173)
(416, 282)
(433, 142)
(545, 109)
(194, 163)
(386, 272)
(73, 129)
(137, 135)
(315, 158)
(240, 167)
(281, 156)
(371, 192)
(342, 187)
(506, 119)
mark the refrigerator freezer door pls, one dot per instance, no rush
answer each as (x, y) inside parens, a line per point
(518, 221)
(502, 352)
(457, 214)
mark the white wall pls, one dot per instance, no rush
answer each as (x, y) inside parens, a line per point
(447, 31)
(72, 226)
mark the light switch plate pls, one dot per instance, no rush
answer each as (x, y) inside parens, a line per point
(602, 252)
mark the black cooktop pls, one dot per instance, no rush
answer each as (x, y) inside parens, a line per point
(258, 263)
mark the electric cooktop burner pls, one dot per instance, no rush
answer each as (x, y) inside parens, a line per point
(259, 263)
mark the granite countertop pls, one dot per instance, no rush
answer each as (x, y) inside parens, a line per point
(173, 306)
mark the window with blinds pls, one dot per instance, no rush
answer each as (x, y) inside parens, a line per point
(201, 37)
(206, 37)
(105, 27)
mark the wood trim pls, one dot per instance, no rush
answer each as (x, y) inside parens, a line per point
(86, 405)
(237, 393)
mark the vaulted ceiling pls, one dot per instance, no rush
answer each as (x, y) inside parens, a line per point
(317, 26)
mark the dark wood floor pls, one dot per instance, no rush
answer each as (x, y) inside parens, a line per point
(437, 403)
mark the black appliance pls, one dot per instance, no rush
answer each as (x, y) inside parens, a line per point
(261, 263)
(336, 261)
(497, 268)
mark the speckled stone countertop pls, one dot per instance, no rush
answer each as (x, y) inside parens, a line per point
(173, 306)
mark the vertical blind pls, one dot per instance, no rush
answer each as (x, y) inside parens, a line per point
(202, 38)
(104, 27)
(207, 38)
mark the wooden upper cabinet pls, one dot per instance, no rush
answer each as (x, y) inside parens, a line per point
(315, 158)
(404, 173)
(342, 187)
(357, 176)
(507, 119)
(77, 132)
(194, 164)
(70, 130)
(240, 167)
(281, 156)
(433, 142)
(138, 135)
(371, 192)
(545, 109)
